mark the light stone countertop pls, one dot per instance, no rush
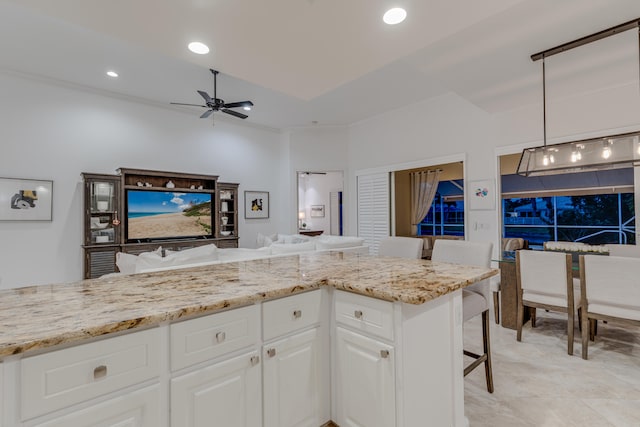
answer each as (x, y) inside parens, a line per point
(39, 317)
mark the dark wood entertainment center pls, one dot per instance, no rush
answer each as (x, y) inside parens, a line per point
(105, 214)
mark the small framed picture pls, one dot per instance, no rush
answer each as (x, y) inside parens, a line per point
(317, 211)
(482, 195)
(25, 199)
(256, 204)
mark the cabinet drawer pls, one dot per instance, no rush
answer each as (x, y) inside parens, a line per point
(290, 314)
(204, 338)
(369, 315)
(138, 409)
(62, 378)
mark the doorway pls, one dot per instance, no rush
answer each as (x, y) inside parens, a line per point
(320, 203)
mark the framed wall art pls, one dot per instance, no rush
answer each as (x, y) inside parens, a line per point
(256, 204)
(317, 211)
(25, 199)
(482, 195)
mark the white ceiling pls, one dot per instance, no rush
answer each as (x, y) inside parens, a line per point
(329, 61)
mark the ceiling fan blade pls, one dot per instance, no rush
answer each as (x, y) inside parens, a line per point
(238, 104)
(191, 105)
(206, 114)
(205, 95)
(235, 113)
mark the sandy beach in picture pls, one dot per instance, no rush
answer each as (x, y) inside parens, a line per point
(168, 225)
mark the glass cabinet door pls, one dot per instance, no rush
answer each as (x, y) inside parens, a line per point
(101, 207)
(102, 197)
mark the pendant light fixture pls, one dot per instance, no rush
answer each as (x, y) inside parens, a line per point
(609, 152)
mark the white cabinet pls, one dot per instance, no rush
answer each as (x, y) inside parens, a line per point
(294, 382)
(396, 364)
(296, 368)
(225, 394)
(365, 381)
(63, 378)
(136, 409)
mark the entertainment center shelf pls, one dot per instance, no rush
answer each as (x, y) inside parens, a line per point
(139, 210)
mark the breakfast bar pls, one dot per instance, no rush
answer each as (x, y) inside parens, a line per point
(174, 348)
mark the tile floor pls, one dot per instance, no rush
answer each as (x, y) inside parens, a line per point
(537, 384)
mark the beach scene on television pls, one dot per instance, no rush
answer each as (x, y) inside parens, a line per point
(154, 214)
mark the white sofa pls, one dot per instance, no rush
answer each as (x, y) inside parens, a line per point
(268, 246)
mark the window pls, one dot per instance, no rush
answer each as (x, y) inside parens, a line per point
(446, 216)
(590, 218)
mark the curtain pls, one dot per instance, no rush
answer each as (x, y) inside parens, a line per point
(423, 189)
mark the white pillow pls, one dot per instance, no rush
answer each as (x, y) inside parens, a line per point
(126, 262)
(148, 260)
(337, 242)
(292, 238)
(264, 241)
(193, 255)
(290, 248)
(152, 260)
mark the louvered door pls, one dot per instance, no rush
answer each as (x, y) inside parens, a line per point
(373, 209)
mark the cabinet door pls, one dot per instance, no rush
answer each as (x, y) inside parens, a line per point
(365, 381)
(137, 409)
(224, 394)
(296, 393)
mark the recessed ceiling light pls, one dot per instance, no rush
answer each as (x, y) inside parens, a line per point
(394, 16)
(247, 108)
(112, 74)
(199, 48)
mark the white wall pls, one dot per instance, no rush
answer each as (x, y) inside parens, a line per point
(53, 132)
(423, 134)
(319, 149)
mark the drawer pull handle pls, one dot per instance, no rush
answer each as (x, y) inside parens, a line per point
(297, 314)
(271, 352)
(358, 314)
(255, 360)
(220, 336)
(100, 372)
(384, 353)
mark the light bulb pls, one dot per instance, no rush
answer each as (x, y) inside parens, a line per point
(606, 152)
(545, 160)
(552, 159)
(574, 156)
(394, 16)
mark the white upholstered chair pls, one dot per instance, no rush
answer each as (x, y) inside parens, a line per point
(632, 251)
(402, 247)
(609, 291)
(544, 279)
(475, 298)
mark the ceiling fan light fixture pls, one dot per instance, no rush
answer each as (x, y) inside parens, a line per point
(394, 16)
(247, 108)
(112, 73)
(199, 48)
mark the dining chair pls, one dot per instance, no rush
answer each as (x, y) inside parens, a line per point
(402, 247)
(624, 250)
(475, 298)
(544, 279)
(609, 292)
(509, 244)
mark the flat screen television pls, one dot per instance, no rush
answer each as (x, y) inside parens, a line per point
(160, 215)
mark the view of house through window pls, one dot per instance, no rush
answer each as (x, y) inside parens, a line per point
(446, 217)
(588, 207)
(592, 219)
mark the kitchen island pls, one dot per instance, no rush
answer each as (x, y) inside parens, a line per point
(176, 316)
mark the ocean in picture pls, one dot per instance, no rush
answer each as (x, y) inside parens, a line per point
(159, 214)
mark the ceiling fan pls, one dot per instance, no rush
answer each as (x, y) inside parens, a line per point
(217, 104)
